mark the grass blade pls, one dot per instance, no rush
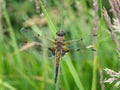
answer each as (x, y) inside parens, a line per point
(74, 73)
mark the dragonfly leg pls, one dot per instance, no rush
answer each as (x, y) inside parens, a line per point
(52, 50)
(64, 51)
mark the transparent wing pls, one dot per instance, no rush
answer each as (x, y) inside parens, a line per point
(82, 43)
(31, 35)
(83, 47)
(28, 33)
(34, 41)
(32, 47)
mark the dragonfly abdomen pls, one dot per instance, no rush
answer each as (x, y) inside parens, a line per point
(58, 54)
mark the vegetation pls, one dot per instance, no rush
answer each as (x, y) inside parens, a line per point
(31, 68)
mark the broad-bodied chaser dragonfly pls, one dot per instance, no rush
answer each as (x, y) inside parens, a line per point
(58, 49)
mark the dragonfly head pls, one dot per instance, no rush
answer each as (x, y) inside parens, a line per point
(60, 33)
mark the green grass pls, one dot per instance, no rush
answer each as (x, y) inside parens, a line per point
(35, 71)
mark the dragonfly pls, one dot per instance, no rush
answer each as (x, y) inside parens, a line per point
(58, 49)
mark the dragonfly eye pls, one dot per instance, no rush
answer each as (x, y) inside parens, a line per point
(60, 33)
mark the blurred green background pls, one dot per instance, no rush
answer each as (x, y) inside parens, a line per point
(35, 71)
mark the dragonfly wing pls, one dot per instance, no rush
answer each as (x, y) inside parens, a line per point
(33, 36)
(33, 41)
(27, 33)
(35, 46)
(82, 45)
